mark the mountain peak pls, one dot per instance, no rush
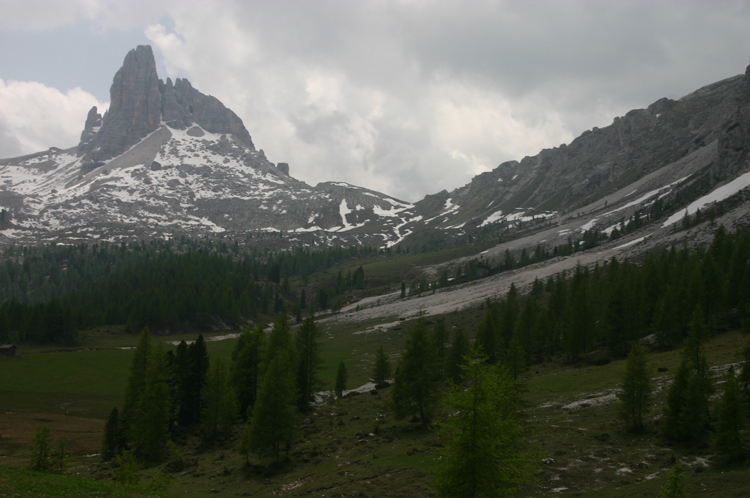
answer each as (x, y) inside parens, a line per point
(140, 102)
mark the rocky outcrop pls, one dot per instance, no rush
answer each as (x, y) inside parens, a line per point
(92, 126)
(734, 143)
(140, 102)
(134, 108)
(183, 105)
(602, 160)
(283, 167)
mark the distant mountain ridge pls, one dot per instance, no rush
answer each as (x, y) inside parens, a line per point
(167, 160)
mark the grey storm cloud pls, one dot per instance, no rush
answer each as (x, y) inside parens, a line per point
(411, 97)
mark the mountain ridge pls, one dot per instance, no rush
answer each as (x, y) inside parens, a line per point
(166, 160)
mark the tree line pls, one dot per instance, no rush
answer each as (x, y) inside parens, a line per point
(616, 302)
(152, 285)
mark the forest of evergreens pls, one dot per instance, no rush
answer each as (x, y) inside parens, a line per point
(50, 292)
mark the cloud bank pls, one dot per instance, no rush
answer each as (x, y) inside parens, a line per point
(411, 97)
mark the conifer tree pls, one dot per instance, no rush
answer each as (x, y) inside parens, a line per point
(636, 390)
(482, 455)
(676, 486)
(515, 358)
(415, 391)
(308, 362)
(280, 341)
(340, 380)
(731, 421)
(137, 378)
(198, 363)
(456, 356)
(687, 412)
(113, 440)
(273, 416)
(151, 424)
(382, 370)
(219, 403)
(438, 340)
(246, 366)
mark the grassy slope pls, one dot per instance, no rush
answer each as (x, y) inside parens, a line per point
(336, 453)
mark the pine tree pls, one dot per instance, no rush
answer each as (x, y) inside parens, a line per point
(246, 367)
(731, 421)
(482, 455)
(198, 363)
(438, 340)
(415, 391)
(137, 379)
(381, 372)
(455, 359)
(219, 403)
(340, 380)
(151, 424)
(636, 390)
(113, 440)
(308, 362)
(515, 357)
(273, 416)
(676, 486)
(687, 412)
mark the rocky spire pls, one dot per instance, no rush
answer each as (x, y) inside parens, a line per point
(134, 109)
(140, 102)
(93, 123)
(183, 105)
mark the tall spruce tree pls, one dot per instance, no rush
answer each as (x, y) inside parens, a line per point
(482, 455)
(309, 362)
(246, 368)
(456, 357)
(731, 421)
(381, 372)
(219, 403)
(113, 439)
(415, 390)
(687, 413)
(137, 379)
(273, 416)
(151, 424)
(341, 376)
(636, 390)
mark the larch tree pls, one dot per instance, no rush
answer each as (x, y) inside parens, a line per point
(483, 454)
(151, 424)
(687, 413)
(219, 403)
(381, 372)
(113, 439)
(246, 367)
(341, 376)
(308, 362)
(731, 421)
(636, 392)
(415, 390)
(455, 359)
(273, 416)
(137, 379)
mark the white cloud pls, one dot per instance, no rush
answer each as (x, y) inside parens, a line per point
(39, 15)
(412, 97)
(34, 117)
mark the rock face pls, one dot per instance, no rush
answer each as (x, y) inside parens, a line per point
(140, 101)
(734, 143)
(284, 168)
(134, 109)
(92, 126)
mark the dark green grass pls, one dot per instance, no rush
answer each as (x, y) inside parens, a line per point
(30, 484)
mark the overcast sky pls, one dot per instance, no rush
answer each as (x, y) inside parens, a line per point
(404, 97)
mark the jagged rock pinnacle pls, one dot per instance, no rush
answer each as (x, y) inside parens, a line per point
(140, 102)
